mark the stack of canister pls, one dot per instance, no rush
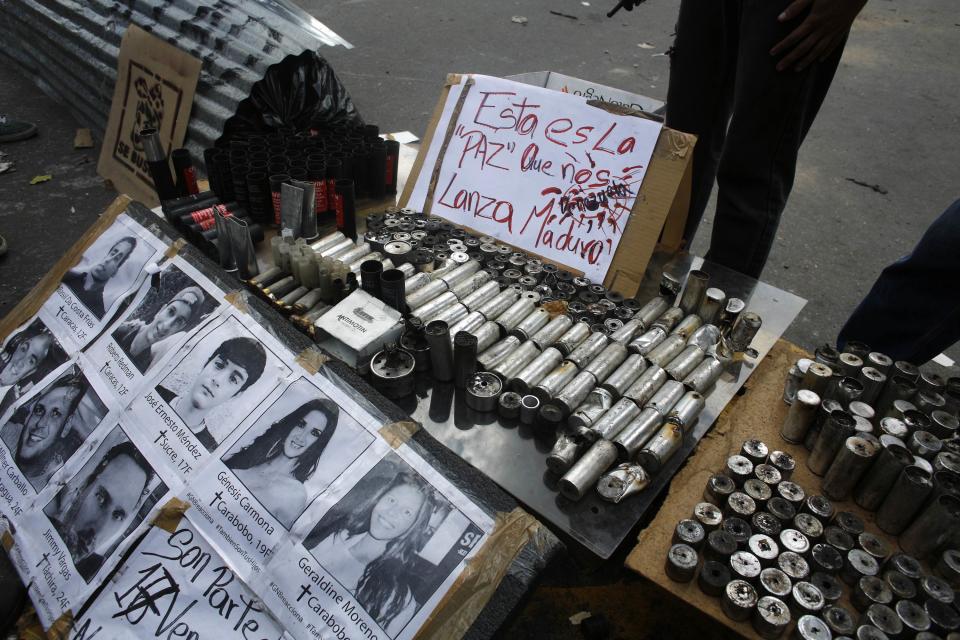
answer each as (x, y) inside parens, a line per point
(781, 558)
(194, 216)
(885, 434)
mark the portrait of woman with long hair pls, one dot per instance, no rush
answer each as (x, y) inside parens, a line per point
(275, 466)
(27, 358)
(371, 547)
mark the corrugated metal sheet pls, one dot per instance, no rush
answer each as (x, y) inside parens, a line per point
(70, 49)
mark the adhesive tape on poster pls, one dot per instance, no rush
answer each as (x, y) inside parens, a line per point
(60, 629)
(482, 575)
(397, 433)
(238, 300)
(311, 359)
(174, 249)
(7, 541)
(170, 514)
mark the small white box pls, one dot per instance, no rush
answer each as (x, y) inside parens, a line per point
(357, 327)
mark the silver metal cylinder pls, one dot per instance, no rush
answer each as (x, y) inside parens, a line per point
(328, 241)
(625, 375)
(894, 427)
(623, 481)
(416, 282)
(529, 407)
(451, 314)
(514, 362)
(827, 406)
(648, 341)
(669, 319)
(713, 302)
(588, 350)
(933, 528)
(924, 444)
(595, 405)
(573, 338)
(565, 452)
(585, 472)
(850, 365)
(694, 291)
(839, 426)
(704, 375)
(533, 322)
(528, 377)
(731, 312)
(547, 335)
(468, 323)
(817, 378)
(800, 416)
(666, 397)
(687, 326)
(460, 274)
(661, 447)
(424, 293)
(873, 382)
(943, 424)
(929, 401)
(849, 465)
(613, 421)
(633, 436)
(646, 385)
(354, 254)
(897, 388)
(553, 382)
(497, 352)
(486, 334)
(667, 350)
(705, 337)
(338, 249)
(499, 303)
(476, 299)
(879, 361)
(685, 362)
(626, 333)
(744, 330)
(904, 500)
(574, 392)
(687, 409)
(509, 319)
(875, 484)
(607, 361)
(471, 284)
(430, 309)
(649, 312)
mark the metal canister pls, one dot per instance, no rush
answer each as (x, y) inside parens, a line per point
(827, 406)
(704, 375)
(924, 444)
(471, 284)
(596, 404)
(694, 291)
(625, 375)
(418, 281)
(588, 350)
(625, 480)
(606, 362)
(943, 424)
(533, 322)
(528, 377)
(547, 335)
(461, 273)
(687, 326)
(706, 337)
(486, 334)
(468, 323)
(873, 382)
(553, 382)
(800, 416)
(529, 408)
(849, 465)
(627, 332)
(817, 378)
(879, 361)
(685, 362)
(652, 310)
(686, 410)
(647, 342)
(667, 350)
(573, 338)
(499, 303)
(476, 299)
(423, 294)
(497, 352)
(564, 453)
(585, 472)
(666, 397)
(897, 388)
(712, 303)
(430, 309)
(849, 365)
(574, 392)
(509, 319)
(669, 319)
(877, 481)
(904, 500)
(932, 528)
(661, 447)
(649, 382)
(838, 427)
(637, 433)
(515, 361)
(744, 330)
(731, 312)
(451, 314)
(612, 422)
(846, 390)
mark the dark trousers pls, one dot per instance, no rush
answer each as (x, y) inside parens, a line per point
(912, 312)
(750, 120)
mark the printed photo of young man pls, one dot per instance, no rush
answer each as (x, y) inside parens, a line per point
(88, 283)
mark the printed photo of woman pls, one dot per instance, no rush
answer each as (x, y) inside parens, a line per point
(26, 359)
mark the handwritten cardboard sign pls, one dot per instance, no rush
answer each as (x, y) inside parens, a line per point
(538, 169)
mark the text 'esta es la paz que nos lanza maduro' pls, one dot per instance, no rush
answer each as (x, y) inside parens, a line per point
(593, 170)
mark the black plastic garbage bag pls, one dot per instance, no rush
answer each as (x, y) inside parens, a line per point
(301, 92)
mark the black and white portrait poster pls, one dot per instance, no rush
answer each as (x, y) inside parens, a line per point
(170, 305)
(211, 384)
(111, 268)
(80, 528)
(379, 550)
(298, 445)
(44, 430)
(175, 585)
(29, 356)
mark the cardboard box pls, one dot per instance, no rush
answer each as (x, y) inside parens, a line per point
(660, 211)
(589, 90)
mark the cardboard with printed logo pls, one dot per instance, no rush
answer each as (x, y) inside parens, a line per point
(156, 82)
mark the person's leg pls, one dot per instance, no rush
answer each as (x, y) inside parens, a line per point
(912, 312)
(702, 64)
(772, 112)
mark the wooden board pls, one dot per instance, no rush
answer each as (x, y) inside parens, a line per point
(758, 413)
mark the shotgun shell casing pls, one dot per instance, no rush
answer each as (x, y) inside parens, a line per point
(647, 342)
(552, 332)
(904, 500)
(661, 447)
(771, 617)
(606, 362)
(574, 392)
(514, 362)
(873, 382)
(611, 423)
(509, 319)
(693, 291)
(806, 599)
(531, 374)
(800, 416)
(553, 382)
(851, 462)
(667, 350)
(626, 480)
(878, 480)
(625, 375)
(838, 427)
(632, 437)
(585, 472)
(713, 302)
(739, 468)
(596, 404)
(652, 310)
(719, 487)
(755, 450)
(719, 545)
(565, 452)
(428, 310)
(646, 385)
(666, 397)
(498, 304)
(817, 378)
(490, 357)
(774, 582)
(589, 349)
(686, 411)
(685, 362)
(704, 375)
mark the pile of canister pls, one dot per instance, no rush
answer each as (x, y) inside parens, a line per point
(774, 555)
